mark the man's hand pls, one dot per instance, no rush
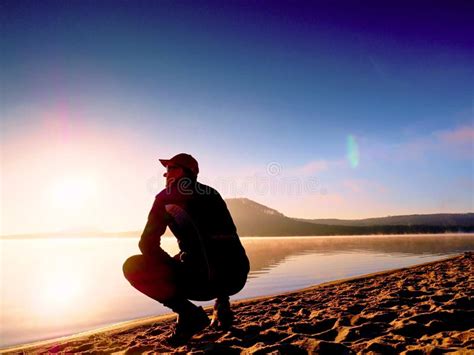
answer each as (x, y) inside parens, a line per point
(180, 257)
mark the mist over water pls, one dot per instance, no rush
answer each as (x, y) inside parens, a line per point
(54, 287)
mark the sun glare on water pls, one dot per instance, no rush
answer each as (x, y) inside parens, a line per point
(60, 290)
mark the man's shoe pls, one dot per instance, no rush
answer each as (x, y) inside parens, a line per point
(187, 325)
(222, 316)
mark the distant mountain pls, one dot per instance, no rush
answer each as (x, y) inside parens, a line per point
(437, 219)
(80, 231)
(254, 219)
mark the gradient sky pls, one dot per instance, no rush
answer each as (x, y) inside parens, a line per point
(317, 110)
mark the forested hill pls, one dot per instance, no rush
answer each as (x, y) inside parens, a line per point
(254, 219)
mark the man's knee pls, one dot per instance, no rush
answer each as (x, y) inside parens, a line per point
(131, 265)
(155, 279)
(139, 268)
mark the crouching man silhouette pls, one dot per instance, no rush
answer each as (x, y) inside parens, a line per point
(211, 264)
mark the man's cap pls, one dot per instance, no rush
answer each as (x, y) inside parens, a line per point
(182, 160)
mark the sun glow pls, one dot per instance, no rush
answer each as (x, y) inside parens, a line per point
(72, 193)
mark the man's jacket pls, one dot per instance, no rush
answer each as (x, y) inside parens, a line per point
(207, 236)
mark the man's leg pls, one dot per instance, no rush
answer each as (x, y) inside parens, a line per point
(154, 277)
(191, 320)
(158, 279)
(171, 282)
(222, 315)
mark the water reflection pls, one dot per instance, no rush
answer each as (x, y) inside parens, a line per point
(265, 253)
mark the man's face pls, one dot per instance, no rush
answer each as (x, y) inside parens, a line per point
(172, 174)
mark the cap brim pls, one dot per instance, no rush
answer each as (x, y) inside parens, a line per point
(164, 162)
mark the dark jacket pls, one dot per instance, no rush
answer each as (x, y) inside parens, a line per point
(215, 248)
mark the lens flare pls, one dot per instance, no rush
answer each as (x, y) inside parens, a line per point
(352, 151)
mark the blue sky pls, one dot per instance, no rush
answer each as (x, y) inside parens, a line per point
(241, 85)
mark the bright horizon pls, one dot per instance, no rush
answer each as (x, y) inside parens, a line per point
(304, 109)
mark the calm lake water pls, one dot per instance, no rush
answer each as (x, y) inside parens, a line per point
(55, 287)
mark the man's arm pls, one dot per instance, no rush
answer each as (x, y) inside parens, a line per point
(155, 227)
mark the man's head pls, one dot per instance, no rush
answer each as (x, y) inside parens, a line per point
(181, 165)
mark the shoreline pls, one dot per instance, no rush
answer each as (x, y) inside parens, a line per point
(291, 320)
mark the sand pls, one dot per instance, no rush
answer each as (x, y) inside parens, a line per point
(425, 309)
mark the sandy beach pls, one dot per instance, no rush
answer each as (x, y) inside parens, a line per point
(425, 309)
